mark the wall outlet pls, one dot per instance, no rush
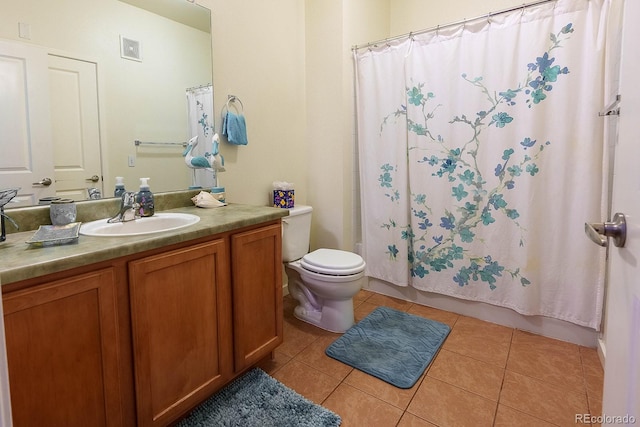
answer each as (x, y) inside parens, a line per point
(131, 160)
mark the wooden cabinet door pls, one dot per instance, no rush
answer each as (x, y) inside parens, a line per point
(180, 313)
(257, 294)
(62, 352)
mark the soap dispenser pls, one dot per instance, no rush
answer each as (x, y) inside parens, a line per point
(145, 198)
(119, 187)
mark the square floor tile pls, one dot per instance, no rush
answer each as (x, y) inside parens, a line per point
(309, 382)
(384, 391)
(467, 373)
(359, 409)
(298, 336)
(548, 360)
(446, 405)
(410, 420)
(509, 417)
(314, 355)
(542, 400)
(480, 340)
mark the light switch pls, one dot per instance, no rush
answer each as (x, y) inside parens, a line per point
(24, 30)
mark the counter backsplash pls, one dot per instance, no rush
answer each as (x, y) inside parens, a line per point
(32, 217)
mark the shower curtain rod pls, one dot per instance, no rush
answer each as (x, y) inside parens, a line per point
(451, 24)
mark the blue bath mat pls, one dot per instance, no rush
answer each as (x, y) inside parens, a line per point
(259, 400)
(391, 345)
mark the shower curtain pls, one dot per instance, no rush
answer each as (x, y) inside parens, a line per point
(200, 117)
(481, 156)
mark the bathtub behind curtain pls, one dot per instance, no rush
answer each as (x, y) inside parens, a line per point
(481, 157)
(200, 117)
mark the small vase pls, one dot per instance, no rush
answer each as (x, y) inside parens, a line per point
(62, 211)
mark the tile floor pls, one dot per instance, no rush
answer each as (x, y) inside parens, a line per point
(484, 375)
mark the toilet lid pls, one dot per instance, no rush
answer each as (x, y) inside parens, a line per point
(333, 261)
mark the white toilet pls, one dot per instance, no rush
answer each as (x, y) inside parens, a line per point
(323, 281)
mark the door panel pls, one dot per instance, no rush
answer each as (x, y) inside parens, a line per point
(25, 123)
(75, 126)
(621, 396)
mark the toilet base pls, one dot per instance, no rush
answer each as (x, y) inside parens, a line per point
(335, 316)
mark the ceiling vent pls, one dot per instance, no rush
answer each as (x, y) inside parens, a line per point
(130, 49)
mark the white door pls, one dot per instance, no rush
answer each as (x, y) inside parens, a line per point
(75, 126)
(622, 323)
(25, 123)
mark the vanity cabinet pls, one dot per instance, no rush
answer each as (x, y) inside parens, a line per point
(257, 294)
(141, 339)
(62, 351)
(180, 311)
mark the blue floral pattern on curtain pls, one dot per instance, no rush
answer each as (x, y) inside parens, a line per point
(441, 237)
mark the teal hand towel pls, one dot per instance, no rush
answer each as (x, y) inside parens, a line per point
(234, 128)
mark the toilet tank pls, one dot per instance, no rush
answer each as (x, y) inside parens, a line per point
(296, 229)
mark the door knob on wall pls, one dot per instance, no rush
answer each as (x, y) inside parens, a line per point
(617, 230)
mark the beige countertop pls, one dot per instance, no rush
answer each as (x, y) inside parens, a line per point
(20, 261)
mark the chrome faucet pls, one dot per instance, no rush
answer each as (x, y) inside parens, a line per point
(129, 208)
(5, 197)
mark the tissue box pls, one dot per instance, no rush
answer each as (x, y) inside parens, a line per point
(283, 199)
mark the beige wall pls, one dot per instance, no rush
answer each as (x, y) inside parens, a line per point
(258, 55)
(414, 15)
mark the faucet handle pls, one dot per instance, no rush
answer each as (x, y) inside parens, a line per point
(128, 198)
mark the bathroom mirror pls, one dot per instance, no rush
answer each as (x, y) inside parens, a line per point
(143, 56)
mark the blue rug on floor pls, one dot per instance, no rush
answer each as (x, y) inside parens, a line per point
(392, 345)
(259, 400)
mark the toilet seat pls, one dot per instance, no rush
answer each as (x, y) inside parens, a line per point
(333, 262)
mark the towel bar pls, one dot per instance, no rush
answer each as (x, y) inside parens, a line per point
(138, 143)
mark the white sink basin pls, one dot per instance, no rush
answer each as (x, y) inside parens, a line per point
(154, 224)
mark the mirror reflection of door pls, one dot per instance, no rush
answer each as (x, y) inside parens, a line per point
(25, 125)
(49, 124)
(73, 90)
